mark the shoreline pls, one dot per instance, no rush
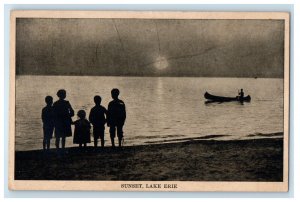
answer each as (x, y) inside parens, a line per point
(194, 160)
(251, 136)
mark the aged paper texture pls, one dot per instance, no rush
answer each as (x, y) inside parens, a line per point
(149, 101)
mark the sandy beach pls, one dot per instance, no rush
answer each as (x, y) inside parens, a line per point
(196, 160)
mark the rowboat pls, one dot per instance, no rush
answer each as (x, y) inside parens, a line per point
(215, 98)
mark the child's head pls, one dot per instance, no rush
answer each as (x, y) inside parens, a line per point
(81, 114)
(61, 94)
(48, 100)
(115, 93)
(97, 100)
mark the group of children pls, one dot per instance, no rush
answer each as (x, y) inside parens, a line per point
(57, 118)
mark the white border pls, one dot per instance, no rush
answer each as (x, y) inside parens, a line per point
(116, 185)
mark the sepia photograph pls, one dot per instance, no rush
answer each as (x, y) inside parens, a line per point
(149, 101)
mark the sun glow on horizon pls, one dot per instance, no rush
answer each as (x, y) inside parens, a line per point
(161, 63)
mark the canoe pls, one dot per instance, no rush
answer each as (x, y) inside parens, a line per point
(225, 99)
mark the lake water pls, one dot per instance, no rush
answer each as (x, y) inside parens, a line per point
(159, 109)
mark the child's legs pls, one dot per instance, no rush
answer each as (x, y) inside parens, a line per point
(44, 143)
(44, 139)
(57, 142)
(102, 141)
(120, 134)
(102, 137)
(48, 143)
(112, 131)
(63, 142)
(95, 141)
(48, 132)
(95, 136)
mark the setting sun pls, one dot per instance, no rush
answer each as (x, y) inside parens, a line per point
(161, 63)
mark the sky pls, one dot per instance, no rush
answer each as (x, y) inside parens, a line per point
(145, 47)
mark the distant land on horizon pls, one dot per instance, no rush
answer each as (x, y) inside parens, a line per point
(147, 47)
(118, 75)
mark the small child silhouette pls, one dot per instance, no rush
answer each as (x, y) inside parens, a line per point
(82, 130)
(48, 122)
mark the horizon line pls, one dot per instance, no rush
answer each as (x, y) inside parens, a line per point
(254, 77)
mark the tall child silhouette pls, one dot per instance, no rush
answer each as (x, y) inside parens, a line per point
(116, 117)
(63, 113)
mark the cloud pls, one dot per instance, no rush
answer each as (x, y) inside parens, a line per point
(132, 46)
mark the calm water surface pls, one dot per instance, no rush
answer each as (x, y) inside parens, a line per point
(159, 109)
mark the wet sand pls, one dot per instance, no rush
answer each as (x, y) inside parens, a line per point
(197, 160)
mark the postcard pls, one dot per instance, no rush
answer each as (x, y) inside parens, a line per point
(149, 101)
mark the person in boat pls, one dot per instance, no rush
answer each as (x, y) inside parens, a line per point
(116, 116)
(48, 122)
(63, 113)
(97, 118)
(241, 95)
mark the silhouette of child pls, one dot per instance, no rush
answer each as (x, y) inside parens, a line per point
(97, 118)
(63, 114)
(48, 122)
(82, 130)
(116, 116)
